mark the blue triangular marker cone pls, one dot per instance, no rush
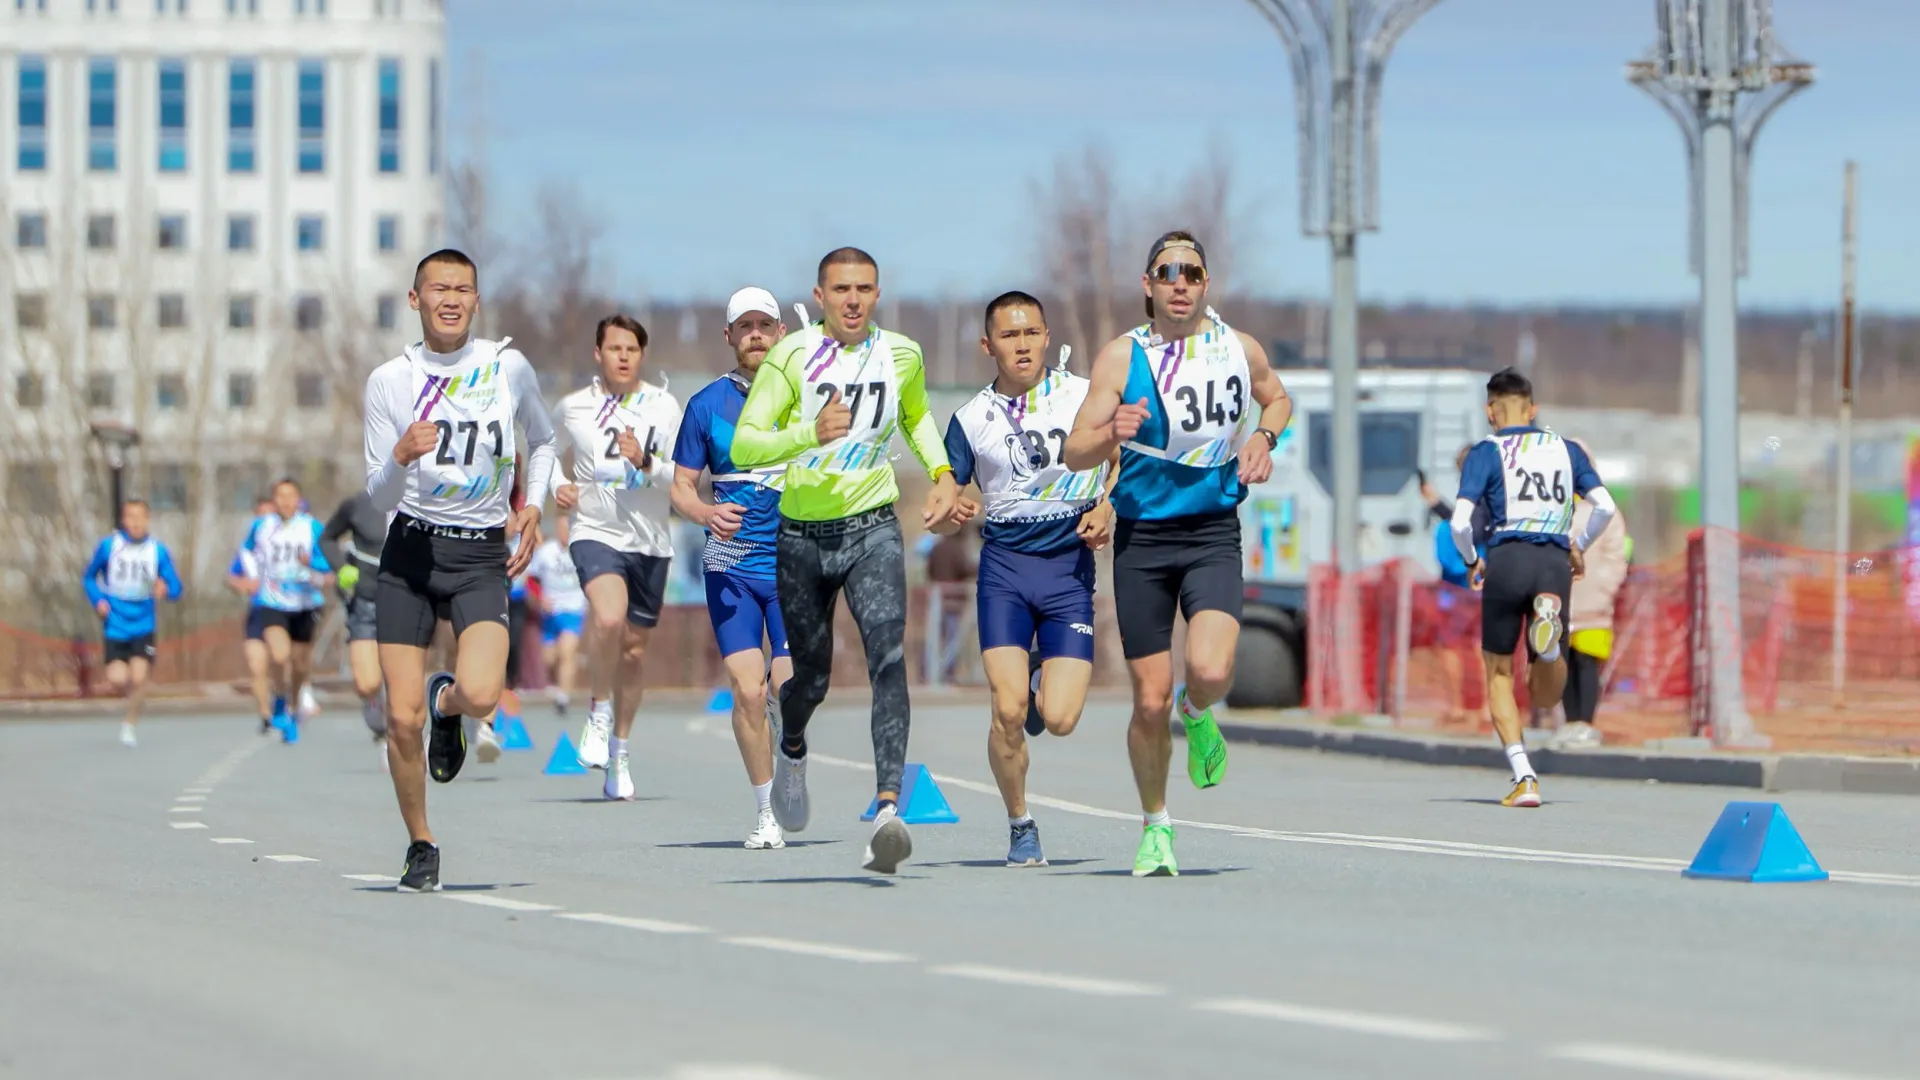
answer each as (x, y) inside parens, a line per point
(921, 802)
(721, 701)
(565, 760)
(1754, 841)
(513, 734)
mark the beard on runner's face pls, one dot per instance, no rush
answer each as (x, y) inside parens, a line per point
(752, 336)
(1177, 299)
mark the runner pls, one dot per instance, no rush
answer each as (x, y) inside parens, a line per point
(243, 577)
(563, 609)
(1195, 410)
(294, 570)
(440, 450)
(362, 523)
(619, 427)
(826, 403)
(1043, 525)
(1525, 478)
(741, 523)
(129, 571)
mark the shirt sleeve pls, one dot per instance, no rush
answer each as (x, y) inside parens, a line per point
(317, 559)
(339, 525)
(90, 577)
(530, 412)
(668, 418)
(1479, 472)
(1585, 477)
(916, 416)
(690, 444)
(959, 451)
(169, 575)
(386, 408)
(760, 438)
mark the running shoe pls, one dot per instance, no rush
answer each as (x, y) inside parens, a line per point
(790, 805)
(560, 702)
(487, 747)
(279, 714)
(373, 713)
(593, 738)
(446, 735)
(423, 869)
(1036, 724)
(1525, 793)
(290, 729)
(1024, 849)
(380, 744)
(1206, 750)
(1575, 735)
(267, 724)
(1543, 630)
(127, 737)
(619, 785)
(309, 705)
(766, 834)
(1155, 858)
(890, 845)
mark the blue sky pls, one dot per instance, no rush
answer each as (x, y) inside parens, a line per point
(733, 140)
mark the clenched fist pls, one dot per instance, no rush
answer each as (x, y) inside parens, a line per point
(566, 496)
(1127, 420)
(835, 419)
(416, 442)
(641, 457)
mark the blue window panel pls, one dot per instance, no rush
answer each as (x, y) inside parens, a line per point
(389, 116)
(102, 97)
(173, 116)
(240, 116)
(310, 232)
(313, 116)
(32, 155)
(387, 233)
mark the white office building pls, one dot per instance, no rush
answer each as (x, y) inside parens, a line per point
(211, 211)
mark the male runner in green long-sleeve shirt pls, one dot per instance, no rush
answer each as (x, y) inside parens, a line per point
(826, 402)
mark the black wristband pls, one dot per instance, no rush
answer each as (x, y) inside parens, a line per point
(1273, 439)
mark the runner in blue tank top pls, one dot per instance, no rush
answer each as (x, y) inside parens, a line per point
(1195, 411)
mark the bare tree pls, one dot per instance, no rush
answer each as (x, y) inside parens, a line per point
(1078, 209)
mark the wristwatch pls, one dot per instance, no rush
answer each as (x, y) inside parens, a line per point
(1273, 439)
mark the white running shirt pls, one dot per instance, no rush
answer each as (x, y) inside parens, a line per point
(620, 506)
(559, 581)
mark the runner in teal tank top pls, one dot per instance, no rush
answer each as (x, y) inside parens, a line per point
(1195, 410)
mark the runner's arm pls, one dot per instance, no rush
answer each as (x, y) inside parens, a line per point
(96, 566)
(1586, 484)
(169, 575)
(1276, 408)
(530, 410)
(917, 422)
(773, 400)
(1092, 440)
(339, 525)
(689, 460)
(386, 405)
(960, 458)
(666, 434)
(559, 476)
(1478, 474)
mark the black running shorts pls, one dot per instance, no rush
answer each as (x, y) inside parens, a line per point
(1517, 571)
(645, 575)
(125, 649)
(299, 625)
(433, 572)
(1192, 561)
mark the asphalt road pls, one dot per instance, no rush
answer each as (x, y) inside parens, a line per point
(215, 904)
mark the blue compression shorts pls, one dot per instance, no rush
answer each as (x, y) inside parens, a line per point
(561, 622)
(744, 609)
(1022, 598)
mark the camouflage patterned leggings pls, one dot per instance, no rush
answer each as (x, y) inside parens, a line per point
(867, 561)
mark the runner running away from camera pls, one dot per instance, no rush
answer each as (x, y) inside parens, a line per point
(243, 577)
(1043, 524)
(742, 523)
(285, 544)
(1195, 411)
(619, 427)
(1525, 478)
(826, 403)
(563, 612)
(440, 448)
(129, 572)
(359, 523)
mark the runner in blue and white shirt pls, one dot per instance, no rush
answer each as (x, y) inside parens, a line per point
(243, 577)
(293, 576)
(741, 523)
(128, 572)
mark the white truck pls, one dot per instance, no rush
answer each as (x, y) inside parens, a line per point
(1411, 420)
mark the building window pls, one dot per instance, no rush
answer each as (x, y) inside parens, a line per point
(433, 117)
(30, 231)
(170, 390)
(303, 7)
(173, 232)
(386, 312)
(111, 7)
(173, 115)
(313, 116)
(240, 232)
(240, 116)
(240, 486)
(32, 155)
(39, 6)
(100, 390)
(170, 486)
(240, 393)
(173, 311)
(34, 486)
(309, 390)
(30, 311)
(310, 232)
(236, 7)
(29, 392)
(102, 93)
(389, 115)
(102, 312)
(100, 232)
(240, 313)
(386, 233)
(307, 313)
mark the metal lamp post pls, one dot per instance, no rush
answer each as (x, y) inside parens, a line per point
(117, 438)
(1708, 54)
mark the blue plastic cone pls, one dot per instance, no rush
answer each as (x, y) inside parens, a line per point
(565, 760)
(513, 734)
(721, 701)
(920, 800)
(1754, 841)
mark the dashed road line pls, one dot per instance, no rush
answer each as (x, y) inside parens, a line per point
(230, 840)
(651, 926)
(1400, 1027)
(188, 824)
(288, 858)
(189, 798)
(1049, 981)
(198, 790)
(375, 878)
(500, 902)
(1675, 1063)
(827, 952)
(185, 809)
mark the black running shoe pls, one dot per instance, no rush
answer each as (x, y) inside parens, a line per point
(423, 869)
(1036, 724)
(446, 735)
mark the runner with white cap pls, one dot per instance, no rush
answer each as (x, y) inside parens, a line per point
(742, 523)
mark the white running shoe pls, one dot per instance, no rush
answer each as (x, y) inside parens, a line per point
(380, 744)
(1575, 735)
(309, 706)
(486, 743)
(373, 713)
(790, 807)
(593, 739)
(619, 786)
(127, 738)
(766, 835)
(560, 700)
(890, 844)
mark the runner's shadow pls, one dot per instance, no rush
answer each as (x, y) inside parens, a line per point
(719, 845)
(1001, 864)
(1184, 872)
(870, 881)
(487, 887)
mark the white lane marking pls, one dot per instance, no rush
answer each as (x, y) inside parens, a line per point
(223, 768)
(500, 902)
(376, 878)
(188, 824)
(829, 952)
(737, 1072)
(1674, 1063)
(198, 790)
(1048, 981)
(652, 926)
(230, 840)
(1402, 1027)
(288, 858)
(189, 798)
(185, 809)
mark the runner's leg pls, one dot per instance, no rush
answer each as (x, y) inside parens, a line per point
(606, 631)
(629, 687)
(403, 668)
(566, 649)
(876, 588)
(137, 671)
(280, 662)
(1006, 668)
(255, 650)
(807, 596)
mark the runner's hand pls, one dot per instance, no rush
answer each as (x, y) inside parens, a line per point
(102, 608)
(1096, 526)
(964, 510)
(567, 496)
(631, 449)
(1256, 461)
(940, 501)
(1477, 576)
(1579, 560)
(1127, 420)
(416, 442)
(835, 419)
(159, 589)
(723, 521)
(525, 524)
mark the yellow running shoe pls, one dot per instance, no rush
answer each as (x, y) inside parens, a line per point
(1525, 793)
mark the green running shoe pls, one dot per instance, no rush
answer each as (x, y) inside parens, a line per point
(1206, 750)
(1156, 853)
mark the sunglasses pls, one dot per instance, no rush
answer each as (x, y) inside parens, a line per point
(1192, 272)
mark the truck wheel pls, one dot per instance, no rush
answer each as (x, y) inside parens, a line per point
(1266, 675)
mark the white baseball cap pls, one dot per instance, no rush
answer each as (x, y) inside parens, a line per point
(752, 298)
